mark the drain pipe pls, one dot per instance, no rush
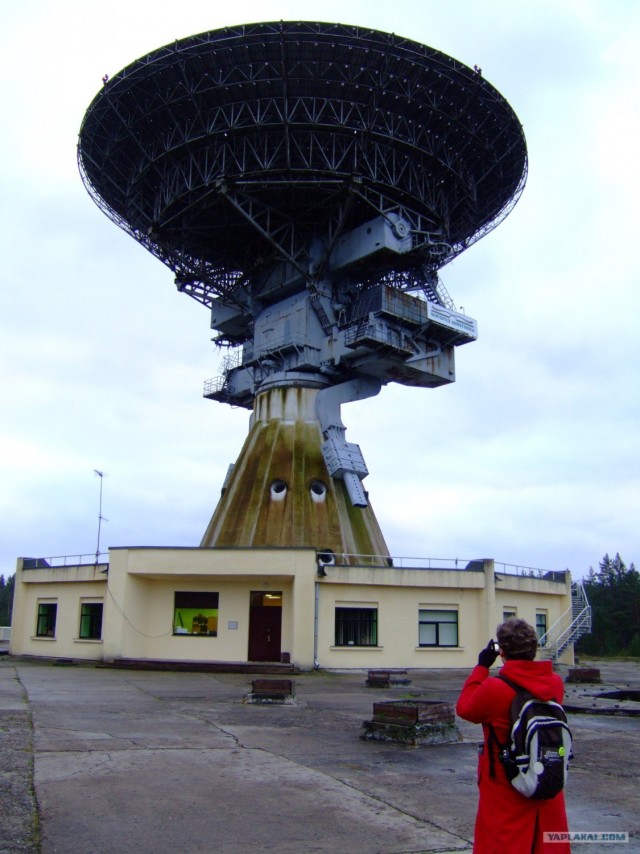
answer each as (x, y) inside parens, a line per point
(316, 608)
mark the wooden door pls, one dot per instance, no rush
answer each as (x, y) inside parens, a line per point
(265, 626)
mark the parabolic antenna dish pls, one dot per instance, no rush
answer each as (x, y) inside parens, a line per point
(224, 151)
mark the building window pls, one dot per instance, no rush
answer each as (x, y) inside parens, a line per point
(91, 620)
(47, 612)
(541, 625)
(195, 614)
(438, 628)
(356, 626)
(508, 614)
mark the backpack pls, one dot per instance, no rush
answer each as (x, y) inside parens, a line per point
(536, 758)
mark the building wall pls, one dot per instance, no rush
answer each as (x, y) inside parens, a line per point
(138, 596)
(143, 583)
(66, 588)
(148, 632)
(400, 595)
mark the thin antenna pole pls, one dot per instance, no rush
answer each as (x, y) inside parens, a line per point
(100, 517)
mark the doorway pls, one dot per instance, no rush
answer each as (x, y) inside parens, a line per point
(265, 625)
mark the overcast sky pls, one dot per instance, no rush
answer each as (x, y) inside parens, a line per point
(531, 457)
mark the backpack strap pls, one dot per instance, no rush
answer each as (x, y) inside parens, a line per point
(493, 738)
(491, 741)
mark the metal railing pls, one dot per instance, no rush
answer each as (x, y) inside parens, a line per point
(62, 560)
(530, 571)
(395, 562)
(570, 627)
(214, 385)
(469, 564)
(347, 559)
(379, 332)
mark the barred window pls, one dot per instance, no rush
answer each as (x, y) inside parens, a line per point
(437, 628)
(46, 625)
(91, 620)
(356, 627)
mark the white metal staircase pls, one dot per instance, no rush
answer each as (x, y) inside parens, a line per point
(572, 625)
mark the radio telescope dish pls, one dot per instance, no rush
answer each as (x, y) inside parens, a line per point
(306, 182)
(225, 151)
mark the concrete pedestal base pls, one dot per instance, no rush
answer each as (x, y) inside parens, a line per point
(416, 723)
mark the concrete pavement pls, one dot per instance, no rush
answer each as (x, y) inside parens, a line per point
(176, 763)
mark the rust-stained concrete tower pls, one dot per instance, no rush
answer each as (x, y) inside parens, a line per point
(305, 182)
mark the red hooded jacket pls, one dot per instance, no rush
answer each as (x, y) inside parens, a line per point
(507, 822)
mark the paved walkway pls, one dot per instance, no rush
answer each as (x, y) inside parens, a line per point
(176, 763)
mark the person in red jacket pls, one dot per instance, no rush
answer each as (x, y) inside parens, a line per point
(508, 822)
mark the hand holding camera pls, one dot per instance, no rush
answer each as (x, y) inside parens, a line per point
(489, 654)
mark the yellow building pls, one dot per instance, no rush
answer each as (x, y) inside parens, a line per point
(237, 605)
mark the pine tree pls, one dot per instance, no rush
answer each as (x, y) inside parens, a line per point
(6, 599)
(614, 594)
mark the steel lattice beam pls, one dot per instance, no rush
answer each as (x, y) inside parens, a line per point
(291, 116)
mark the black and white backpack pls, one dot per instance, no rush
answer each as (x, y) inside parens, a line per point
(536, 757)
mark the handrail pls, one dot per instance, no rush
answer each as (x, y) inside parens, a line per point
(471, 564)
(396, 562)
(530, 571)
(582, 596)
(345, 559)
(63, 560)
(559, 634)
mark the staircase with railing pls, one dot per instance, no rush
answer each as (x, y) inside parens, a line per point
(572, 625)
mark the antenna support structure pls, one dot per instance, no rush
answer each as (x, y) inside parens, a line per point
(306, 182)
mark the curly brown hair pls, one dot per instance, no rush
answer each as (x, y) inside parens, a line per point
(517, 639)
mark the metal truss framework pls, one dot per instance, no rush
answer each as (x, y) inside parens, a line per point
(226, 152)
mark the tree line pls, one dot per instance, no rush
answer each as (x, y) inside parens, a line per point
(613, 592)
(6, 599)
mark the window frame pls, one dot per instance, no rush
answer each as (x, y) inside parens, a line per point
(541, 617)
(92, 620)
(437, 623)
(44, 613)
(356, 626)
(205, 604)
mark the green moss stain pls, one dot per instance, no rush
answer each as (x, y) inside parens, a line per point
(291, 451)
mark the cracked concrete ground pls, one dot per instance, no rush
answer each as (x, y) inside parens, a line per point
(18, 811)
(176, 762)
